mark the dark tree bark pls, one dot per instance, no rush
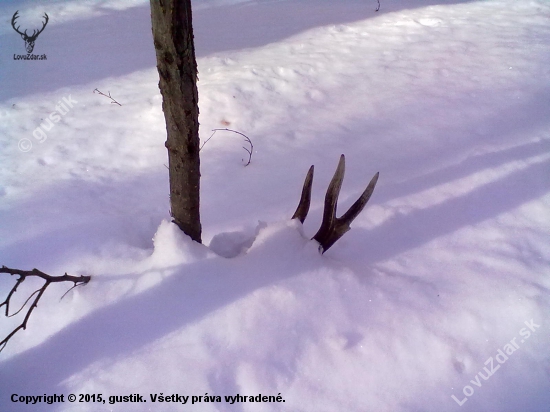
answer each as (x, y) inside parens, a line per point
(177, 67)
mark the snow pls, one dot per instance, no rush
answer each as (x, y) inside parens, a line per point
(446, 266)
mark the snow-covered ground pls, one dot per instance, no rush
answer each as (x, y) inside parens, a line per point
(438, 297)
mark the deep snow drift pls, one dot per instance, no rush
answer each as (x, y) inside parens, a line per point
(438, 296)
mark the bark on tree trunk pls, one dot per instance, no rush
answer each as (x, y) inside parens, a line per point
(177, 67)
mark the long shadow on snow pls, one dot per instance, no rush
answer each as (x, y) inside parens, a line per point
(469, 166)
(200, 288)
(118, 329)
(508, 126)
(74, 234)
(79, 217)
(120, 42)
(404, 232)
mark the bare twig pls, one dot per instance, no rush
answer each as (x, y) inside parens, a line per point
(48, 279)
(107, 95)
(249, 151)
(72, 287)
(24, 304)
(206, 141)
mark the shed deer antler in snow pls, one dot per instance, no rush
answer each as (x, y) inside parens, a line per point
(29, 40)
(332, 227)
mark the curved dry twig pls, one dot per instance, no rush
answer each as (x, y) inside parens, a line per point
(247, 139)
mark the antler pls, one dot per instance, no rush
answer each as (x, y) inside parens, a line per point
(333, 228)
(29, 40)
(35, 33)
(15, 16)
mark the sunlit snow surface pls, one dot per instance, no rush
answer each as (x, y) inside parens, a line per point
(450, 102)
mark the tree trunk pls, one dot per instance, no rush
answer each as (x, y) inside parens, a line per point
(177, 67)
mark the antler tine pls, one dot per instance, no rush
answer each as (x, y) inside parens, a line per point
(305, 200)
(47, 19)
(15, 17)
(342, 224)
(331, 200)
(360, 203)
